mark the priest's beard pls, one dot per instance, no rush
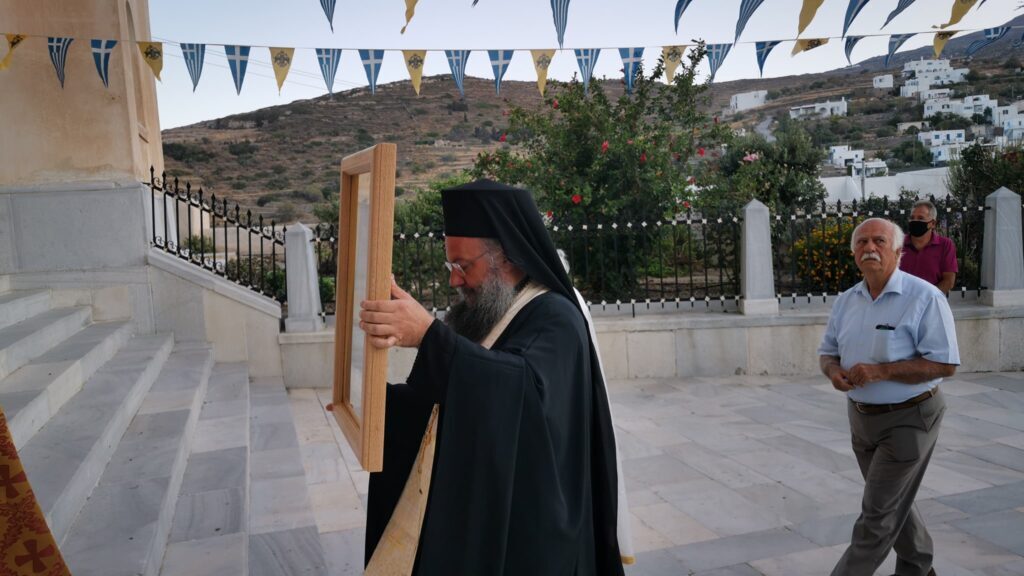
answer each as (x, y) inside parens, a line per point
(478, 310)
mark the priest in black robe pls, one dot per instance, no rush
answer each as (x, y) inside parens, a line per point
(525, 478)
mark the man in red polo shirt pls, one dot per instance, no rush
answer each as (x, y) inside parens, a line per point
(926, 254)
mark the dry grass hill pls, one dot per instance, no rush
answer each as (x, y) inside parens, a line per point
(281, 161)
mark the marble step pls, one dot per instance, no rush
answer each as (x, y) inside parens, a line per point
(122, 529)
(35, 392)
(208, 536)
(5, 283)
(66, 458)
(29, 338)
(21, 305)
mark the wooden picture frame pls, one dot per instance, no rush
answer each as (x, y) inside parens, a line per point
(365, 228)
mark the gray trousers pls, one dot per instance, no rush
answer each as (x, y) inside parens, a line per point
(893, 450)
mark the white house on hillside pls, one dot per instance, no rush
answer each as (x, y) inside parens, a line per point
(965, 108)
(843, 156)
(819, 109)
(883, 82)
(747, 100)
(923, 74)
(934, 93)
(871, 169)
(938, 137)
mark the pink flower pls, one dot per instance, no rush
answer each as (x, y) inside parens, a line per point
(630, 141)
(554, 104)
(751, 157)
(604, 147)
(691, 180)
(504, 112)
(576, 198)
(686, 205)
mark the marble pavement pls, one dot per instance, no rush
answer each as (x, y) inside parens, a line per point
(748, 476)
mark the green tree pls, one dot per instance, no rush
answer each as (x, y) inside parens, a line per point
(587, 156)
(980, 171)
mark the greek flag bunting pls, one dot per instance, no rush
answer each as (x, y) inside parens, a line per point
(328, 6)
(153, 55)
(414, 60)
(672, 56)
(681, 6)
(281, 60)
(560, 13)
(895, 41)
(716, 55)
(747, 8)
(101, 50)
(328, 59)
(940, 41)
(807, 13)
(410, 11)
(960, 9)
(372, 59)
(238, 60)
(632, 58)
(852, 10)
(13, 41)
(194, 55)
(992, 35)
(851, 41)
(500, 60)
(900, 7)
(763, 50)
(586, 59)
(457, 63)
(58, 48)
(541, 62)
(805, 44)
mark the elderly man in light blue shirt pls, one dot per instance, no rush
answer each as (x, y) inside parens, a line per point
(890, 340)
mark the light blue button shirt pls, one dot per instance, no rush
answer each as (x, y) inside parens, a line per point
(910, 319)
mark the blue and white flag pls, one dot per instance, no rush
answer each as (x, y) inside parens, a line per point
(58, 48)
(328, 58)
(194, 55)
(895, 41)
(328, 6)
(851, 13)
(101, 50)
(457, 62)
(681, 6)
(632, 58)
(586, 59)
(500, 60)
(992, 35)
(560, 13)
(763, 50)
(716, 55)
(238, 60)
(851, 41)
(747, 8)
(900, 7)
(372, 59)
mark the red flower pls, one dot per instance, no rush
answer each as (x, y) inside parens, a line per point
(550, 213)
(576, 198)
(643, 157)
(716, 119)
(604, 147)
(554, 104)
(691, 180)
(686, 205)
(676, 156)
(700, 152)
(502, 139)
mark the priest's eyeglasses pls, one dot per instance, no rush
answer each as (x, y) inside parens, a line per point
(461, 269)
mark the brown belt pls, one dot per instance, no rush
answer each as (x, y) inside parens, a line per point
(883, 408)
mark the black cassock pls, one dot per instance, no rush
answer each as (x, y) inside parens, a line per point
(524, 471)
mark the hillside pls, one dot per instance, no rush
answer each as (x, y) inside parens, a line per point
(281, 161)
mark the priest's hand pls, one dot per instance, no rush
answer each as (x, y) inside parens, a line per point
(401, 321)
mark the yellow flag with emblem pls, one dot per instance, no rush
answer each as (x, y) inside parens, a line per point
(672, 56)
(13, 40)
(960, 9)
(281, 60)
(541, 61)
(410, 11)
(940, 41)
(807, 12)
(153, 55)
(414, 60)
(808, 44)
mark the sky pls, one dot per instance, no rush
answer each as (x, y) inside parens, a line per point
(498, 24)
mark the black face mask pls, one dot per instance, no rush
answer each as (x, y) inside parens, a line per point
(918, 228)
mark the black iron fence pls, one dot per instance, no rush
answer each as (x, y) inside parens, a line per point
(812, 246)
(257, 258)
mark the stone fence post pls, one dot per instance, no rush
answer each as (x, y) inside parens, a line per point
(303, 283)
(757, 280)
(1002, 259)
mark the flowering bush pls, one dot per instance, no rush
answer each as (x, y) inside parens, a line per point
(823, 258)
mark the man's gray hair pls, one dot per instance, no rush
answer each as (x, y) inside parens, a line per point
(933, 213)
(897, 234)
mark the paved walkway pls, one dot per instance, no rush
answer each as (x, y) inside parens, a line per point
(749, 476)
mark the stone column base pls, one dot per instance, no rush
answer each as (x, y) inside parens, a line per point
(759, 307)
(1002, 297)
(312, 324)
